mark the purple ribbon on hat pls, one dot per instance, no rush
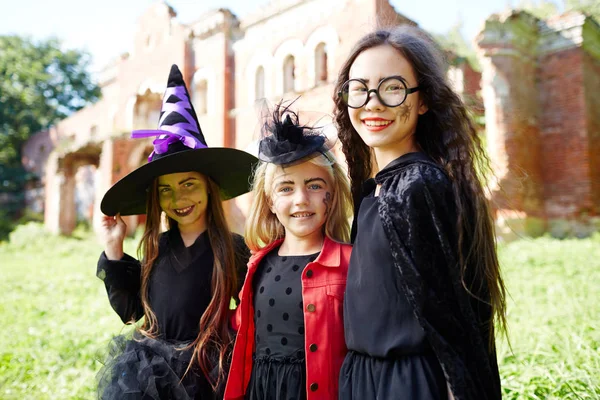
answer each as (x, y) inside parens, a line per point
(169, 134)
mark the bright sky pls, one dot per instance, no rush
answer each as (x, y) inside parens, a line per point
(105, 28)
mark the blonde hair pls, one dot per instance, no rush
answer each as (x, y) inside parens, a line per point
(263, 227)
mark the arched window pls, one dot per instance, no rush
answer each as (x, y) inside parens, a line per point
(259, 84)
(147, 110)
(320, 64)
(289, 74)
(200, 97)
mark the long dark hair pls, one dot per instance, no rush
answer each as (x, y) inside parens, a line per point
(447, 134)
(213, 342)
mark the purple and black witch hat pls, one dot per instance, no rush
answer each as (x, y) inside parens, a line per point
(179, 147)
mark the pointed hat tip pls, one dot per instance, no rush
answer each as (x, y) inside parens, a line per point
(175, 77)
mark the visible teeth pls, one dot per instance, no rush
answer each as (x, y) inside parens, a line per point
(301, 215)
(377, 123)
(183, 210)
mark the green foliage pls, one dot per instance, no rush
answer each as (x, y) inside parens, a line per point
(542, 8)
(58, 322)
(12, 181)
(40, 83)
(545, 8)
(30, 216)
(553, 319)
(55, 313)
(534, 227)
(589, 7)
(6, 225)
(454, 41)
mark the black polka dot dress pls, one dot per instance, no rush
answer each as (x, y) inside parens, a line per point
(279, 369)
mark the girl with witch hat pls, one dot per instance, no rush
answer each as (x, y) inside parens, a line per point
(290, 342)
(186, 276)
(424, 286)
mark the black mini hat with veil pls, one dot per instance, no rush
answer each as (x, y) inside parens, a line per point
(286, 141)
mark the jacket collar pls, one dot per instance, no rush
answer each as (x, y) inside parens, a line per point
(329, 256)
(399, 163)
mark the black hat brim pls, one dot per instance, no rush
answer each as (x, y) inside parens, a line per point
(231, 170)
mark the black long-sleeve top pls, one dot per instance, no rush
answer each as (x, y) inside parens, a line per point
(179, 289)
(417, 208)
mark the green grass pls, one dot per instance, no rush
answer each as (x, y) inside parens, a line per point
(56, 320)
(554, 319)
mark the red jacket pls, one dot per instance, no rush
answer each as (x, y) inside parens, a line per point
(323, 286)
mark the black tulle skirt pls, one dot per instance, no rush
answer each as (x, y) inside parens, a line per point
(277, 379)
(150, 369)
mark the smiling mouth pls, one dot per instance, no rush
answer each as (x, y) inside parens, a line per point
(376, 123)
(302, 215)
(182, 212)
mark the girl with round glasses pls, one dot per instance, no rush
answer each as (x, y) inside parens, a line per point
(424, 289)
(391, 92)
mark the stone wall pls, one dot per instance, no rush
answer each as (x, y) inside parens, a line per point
(540, 88)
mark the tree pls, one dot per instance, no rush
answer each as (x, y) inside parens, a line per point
(542, 9)
(590, 7)
(547, 8)
(454, 41)
(39, 85)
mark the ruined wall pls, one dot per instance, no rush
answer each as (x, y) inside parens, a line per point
(512, 118)
(591, 82)
(540, 86)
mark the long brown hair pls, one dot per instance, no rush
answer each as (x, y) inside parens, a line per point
(214, 340)
(447, 135)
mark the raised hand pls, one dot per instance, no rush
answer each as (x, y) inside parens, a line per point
(113, 230)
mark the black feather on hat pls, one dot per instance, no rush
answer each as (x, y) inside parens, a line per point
(285, 141)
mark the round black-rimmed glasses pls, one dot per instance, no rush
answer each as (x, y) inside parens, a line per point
(391, 92)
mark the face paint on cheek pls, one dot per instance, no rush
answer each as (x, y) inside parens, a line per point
(405, 111)
(327, 201)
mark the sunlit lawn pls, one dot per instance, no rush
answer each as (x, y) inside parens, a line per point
(56, 320)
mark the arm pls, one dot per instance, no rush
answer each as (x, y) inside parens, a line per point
(120, 272)
(122, 281)
(418, 213)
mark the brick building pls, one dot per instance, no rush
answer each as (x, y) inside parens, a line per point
(287, 49)
(541, 91)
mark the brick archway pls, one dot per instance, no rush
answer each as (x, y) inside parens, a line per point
(61, 176)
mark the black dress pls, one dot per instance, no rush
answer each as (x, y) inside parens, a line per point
(179, 292)
(279, 368)
(417, 210)
(389, 356)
